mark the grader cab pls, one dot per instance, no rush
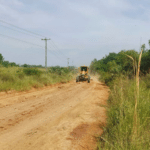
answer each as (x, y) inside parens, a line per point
(83, 74)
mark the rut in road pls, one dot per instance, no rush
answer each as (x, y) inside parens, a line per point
(47, 119)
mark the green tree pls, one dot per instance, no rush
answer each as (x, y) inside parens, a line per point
(13, 64)
(1, 58)
(25, 65)
(145, 62)
(110, 57)
(5, 63)
(113, 67)
(149, 43)
(143, 47)
(124, 61)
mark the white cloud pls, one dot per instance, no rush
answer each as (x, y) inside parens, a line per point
(80, 26)
(34, 19)
(11, 2)
(83, 9)
(117, 4)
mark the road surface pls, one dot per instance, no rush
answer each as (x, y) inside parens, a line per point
(59, 117)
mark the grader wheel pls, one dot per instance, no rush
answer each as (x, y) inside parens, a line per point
(77, 79)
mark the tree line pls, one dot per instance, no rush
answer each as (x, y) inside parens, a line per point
(13, 64)
(118, 63)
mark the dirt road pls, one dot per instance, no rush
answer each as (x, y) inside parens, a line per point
(60, 117)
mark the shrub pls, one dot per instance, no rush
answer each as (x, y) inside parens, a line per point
(17, 78)
(147, 80)
(107, 77)
(6, 77)
(32, 71)
(20, 74)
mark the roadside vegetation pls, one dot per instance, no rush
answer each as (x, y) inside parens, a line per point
(128, 108)
(20, 78)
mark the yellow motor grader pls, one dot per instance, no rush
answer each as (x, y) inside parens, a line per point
(83, 74)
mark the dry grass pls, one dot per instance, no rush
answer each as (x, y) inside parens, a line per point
(20, 79)
(136, 68)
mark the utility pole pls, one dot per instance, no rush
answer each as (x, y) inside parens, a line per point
(68, 62)
(45, 52)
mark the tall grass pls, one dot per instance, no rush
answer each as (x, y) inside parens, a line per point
(128, 125)
(16, 78)
(119, 131)
(136, 68)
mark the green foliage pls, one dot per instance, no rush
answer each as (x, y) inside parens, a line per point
(113, 67)
(32, 66)
(124, 61)
(6, 77)
(110, 57)
(115, 63)
(1, 58)
(25, 65)
(145, 62)
(5, 63)
(146, 79)
(119, 129)
(117, 71)
(106, 77)
(32, 71)
(20, 73)
(17, 78)
(143, 47)
(13, 64)
(59, 70)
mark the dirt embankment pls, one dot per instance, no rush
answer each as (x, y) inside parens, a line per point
(61, 117)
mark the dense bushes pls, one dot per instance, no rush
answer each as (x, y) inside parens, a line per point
(32, 71)
(17, 78)
(58, 70)
(23, 77)
(115, 64)
(128, 110)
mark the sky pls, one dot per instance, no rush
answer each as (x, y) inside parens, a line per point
(78, 29)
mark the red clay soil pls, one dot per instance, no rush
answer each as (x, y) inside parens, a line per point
(61, 117)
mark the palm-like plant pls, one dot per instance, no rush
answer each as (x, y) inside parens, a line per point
(136, 68)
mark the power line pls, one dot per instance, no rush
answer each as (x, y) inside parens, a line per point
(20, 28)
(21, 40)
(58, 48)
(28, 34)
(55, 50)
(31, 44)
(28, 43)
(19, 31)
(60, 58)
(57, 53)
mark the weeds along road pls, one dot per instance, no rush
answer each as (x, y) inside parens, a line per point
(60, 117)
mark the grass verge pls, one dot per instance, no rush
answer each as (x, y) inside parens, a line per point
(20, 79)
(118, 133)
